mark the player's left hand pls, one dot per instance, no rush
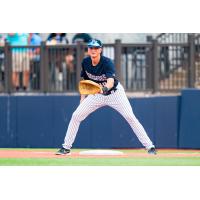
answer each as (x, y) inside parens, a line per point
(104, 90)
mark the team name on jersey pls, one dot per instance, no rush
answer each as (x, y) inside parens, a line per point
(96, 78)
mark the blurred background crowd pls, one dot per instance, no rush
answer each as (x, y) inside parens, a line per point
(25, 62)
(73, 37)
(145, 62)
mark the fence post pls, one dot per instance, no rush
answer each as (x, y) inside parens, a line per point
(118, 52)
(79, 58)
(44, 69)
(191, 66)
(155, 67)
(149, 68)
(8, 68)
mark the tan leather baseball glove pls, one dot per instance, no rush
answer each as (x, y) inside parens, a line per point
(89, 87)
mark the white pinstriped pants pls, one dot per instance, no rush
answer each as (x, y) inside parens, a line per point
(117, 100)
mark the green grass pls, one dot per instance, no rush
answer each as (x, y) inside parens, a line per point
(130, 161)
(100, 162)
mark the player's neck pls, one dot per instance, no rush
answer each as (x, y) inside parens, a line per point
(95, 60)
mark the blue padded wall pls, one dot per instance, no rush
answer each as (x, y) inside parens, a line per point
(101, 127)
(62, 109)
(122, 134)
(166, 121)
(8, 121)
(4, 126)
(42, 121)
(190, 119)
(34, 121)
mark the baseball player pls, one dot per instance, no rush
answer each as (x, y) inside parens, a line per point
(101, 70)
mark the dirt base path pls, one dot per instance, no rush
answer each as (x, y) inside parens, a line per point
(51, 154)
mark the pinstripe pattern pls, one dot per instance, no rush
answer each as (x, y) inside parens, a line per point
(117, 101)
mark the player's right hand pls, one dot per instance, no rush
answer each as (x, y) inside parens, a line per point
(101, 91)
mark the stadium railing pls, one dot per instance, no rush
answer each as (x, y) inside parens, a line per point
(167, 63)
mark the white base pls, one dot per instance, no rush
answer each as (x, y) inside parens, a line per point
(101, 152)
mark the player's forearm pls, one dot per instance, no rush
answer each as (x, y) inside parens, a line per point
(110, 83)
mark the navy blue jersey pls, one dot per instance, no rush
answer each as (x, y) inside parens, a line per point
(99, 73)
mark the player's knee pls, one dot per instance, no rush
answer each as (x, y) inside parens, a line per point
(75, 116)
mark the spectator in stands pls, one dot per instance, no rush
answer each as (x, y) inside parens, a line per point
(2, 72)
(71, 72)
(84, 37)
(20, 59)
(35, 40)
(78, 37)
(2, 40)
(57, 38)
(57, 60)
